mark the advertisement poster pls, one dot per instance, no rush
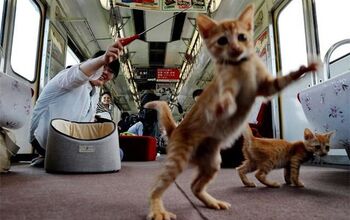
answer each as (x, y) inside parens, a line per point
(261, 44)
(140, 4)
(178, 5)
(168, 74)
(58, 46)
(165, 5)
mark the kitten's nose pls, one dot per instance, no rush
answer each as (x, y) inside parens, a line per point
(235, 51)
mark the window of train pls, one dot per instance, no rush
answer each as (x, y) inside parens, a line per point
(2, 19)
(71, 58)
(25, 39)
(291, 34)
(292, 51)
(333, 25)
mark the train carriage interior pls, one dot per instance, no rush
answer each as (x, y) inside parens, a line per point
(95, 169)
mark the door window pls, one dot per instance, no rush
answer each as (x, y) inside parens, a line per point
(25, 39)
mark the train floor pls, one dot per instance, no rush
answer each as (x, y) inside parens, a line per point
(31, 193)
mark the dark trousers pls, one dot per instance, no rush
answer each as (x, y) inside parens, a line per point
(38, 148)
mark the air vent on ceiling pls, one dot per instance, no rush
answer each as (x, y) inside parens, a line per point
(157, 54)
(178, 26)
(139, 22)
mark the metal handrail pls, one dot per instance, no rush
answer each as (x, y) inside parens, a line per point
(327, 57)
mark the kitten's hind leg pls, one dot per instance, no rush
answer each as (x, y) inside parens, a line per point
(207, 170)
(177, 159)
(261, 176)
(245, 168)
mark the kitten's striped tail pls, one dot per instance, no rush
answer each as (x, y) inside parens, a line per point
(165, 117)
(247, 132)
(247, 135)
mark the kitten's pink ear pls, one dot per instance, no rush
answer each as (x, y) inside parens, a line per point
(308, 135)
(247, 17)
(205, 24)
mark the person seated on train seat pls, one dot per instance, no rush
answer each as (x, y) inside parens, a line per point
(72, 95)
(104, 107)
(136, 129)
(146, 124)
(123, 124)
(130, 121)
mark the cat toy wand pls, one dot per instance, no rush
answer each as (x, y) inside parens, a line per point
(128, 40)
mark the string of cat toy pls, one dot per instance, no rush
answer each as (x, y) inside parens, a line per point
(128, 40)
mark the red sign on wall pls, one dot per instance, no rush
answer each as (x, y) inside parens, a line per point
(168, 74)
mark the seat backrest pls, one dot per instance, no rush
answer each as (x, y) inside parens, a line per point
(15, 102)
(257, 113)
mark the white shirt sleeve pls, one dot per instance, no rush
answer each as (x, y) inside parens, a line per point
(73, 77)
(137, 128)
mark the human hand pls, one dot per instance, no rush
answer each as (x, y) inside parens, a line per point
(113, 52)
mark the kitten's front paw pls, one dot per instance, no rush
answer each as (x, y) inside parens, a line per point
(161, 215)
(314, 66)
(218, 204)
(226, 106)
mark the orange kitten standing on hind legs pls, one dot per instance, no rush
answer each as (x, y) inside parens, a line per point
(220, 113)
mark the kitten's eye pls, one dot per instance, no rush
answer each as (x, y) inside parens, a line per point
(318, 147)
(242, 37)
(327, 148)
(222, 41)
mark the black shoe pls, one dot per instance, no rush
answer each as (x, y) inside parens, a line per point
(38, 162)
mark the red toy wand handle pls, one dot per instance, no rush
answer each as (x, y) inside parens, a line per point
(128, 40)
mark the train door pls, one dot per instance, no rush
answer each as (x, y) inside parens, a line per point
(303, 28)
(292, 52)
(22, 25)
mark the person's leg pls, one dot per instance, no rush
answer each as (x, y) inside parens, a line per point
(38, 148)
(40, 160)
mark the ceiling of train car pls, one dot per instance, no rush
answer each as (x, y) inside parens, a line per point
(164, 47)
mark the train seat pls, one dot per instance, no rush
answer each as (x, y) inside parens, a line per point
(15, 108)
(15, 102)
(327, 108)
(138, 148)
(233, 157)
(82, 147)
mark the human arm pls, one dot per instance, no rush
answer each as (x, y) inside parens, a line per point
(137, 128)
(113, 52)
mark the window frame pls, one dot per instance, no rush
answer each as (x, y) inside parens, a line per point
(3, 22)
(37, 66)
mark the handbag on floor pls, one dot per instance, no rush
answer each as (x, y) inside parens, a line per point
(8, 148)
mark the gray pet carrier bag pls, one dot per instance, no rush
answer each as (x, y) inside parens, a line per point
(82, 147)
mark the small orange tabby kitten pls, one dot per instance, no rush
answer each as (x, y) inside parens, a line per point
(265, 154)
(218, 116)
